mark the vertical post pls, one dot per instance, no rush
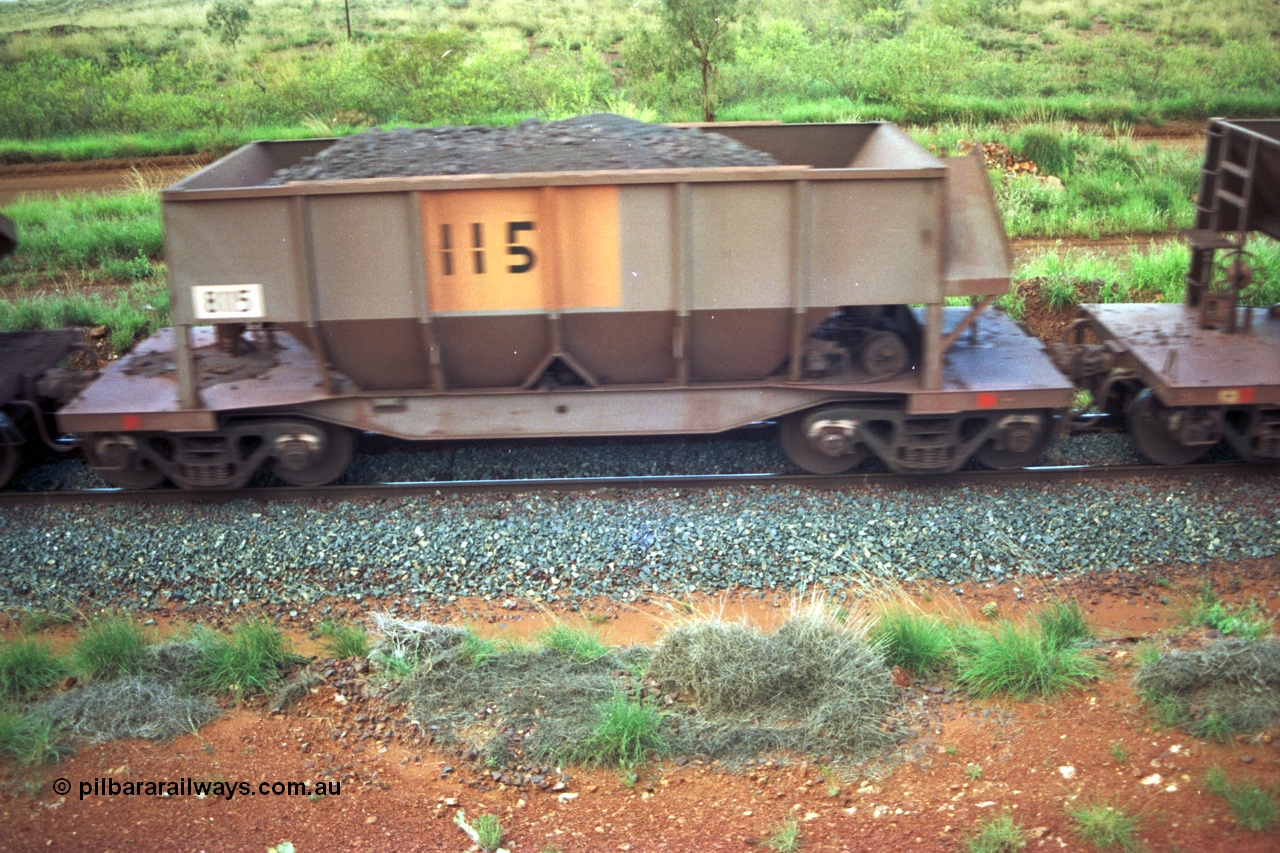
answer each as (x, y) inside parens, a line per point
(188, 393)
(422, 292)
(682, 240)
(931, 347)
(801, 264)
(347, 5)
(304, 256)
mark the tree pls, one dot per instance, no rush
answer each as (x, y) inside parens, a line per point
(702, 32)
(422, 68)
(227, 19)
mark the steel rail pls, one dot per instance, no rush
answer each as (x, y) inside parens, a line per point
(396, 490)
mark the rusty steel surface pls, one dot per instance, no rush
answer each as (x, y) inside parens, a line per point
(140, 391)
(995, 365)
(1187, 365)
(26, 355)
(1241, 164)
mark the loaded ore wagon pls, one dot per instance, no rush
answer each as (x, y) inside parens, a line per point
(592, 277)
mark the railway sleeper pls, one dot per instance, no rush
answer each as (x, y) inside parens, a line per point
(299, 451)
(834, 439)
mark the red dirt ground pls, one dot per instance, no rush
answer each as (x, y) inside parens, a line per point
(1037, 758)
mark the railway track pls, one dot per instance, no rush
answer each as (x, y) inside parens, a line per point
(393, 490)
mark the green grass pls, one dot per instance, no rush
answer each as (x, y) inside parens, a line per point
(343, 641)
(111, 647)
(488, 832)
(786, 838)
(1021, 661)
(31, 738)
(1104, 827)
(916, 642)
(625, 735)
(28, 667)
(84, 232)
(1246, 623)
(997, 835)
(1063, 623)
(478, 651)
(1253, 808)
(139, 70)
(579, 644)
(252, 658)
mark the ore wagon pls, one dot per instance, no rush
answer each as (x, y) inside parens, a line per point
(839, 288)
(1187, 376)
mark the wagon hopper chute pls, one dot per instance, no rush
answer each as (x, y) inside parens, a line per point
(581, 302)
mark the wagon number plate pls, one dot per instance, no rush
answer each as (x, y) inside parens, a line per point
(227, 301)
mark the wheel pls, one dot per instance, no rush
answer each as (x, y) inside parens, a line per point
(310, 453)
(1151, 424)
(1022, 441)
(1254, 435)
(10, 456)
(820, 441)
(115, 459)
(883, 354)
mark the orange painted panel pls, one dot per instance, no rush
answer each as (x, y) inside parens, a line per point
(541, 249)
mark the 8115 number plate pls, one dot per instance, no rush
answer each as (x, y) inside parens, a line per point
(227, 301)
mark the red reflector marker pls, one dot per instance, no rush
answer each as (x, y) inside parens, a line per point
(130, 422)
(988, 399)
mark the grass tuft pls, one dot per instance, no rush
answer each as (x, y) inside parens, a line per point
(252, 658)
(1029, 660)
(1253, 808)
(27, 668)
(1106, 828)
(111, 647)
(578, 644)
(343, 641)
(916, 642)
(626, 734)
(997, 835)
(786, 838)
(31, 738)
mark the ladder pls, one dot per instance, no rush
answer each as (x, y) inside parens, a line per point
(1226, 190)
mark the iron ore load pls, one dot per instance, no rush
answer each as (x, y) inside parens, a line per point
(592, 277)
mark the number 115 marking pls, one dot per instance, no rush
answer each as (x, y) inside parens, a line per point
(522, 257)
